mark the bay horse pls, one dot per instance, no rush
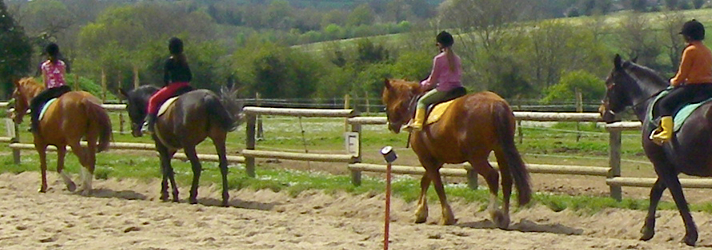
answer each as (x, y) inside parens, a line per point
(73, 116)
(192, 118)
(636, 86)
(470, 129)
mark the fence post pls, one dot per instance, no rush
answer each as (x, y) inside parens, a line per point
(356, 174)
(260, 133)
(12, 132)
(250, 144)
(347, 104)
(579, 109)
(614, 158)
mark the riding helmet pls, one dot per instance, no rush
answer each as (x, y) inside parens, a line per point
(694, 30)
(175, 46)
(445, 39)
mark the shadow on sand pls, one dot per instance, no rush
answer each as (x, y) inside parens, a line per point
(211, 202)
(526, 226)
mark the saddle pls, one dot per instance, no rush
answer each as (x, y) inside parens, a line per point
(682, 111)
(168, 102)
(434, 111)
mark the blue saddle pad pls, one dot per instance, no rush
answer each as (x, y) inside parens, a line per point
(44, 108)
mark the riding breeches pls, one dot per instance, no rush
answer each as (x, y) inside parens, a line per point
(432, 96)
(690, 93)
(154, 103)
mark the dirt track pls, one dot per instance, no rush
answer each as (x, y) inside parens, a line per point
(126, 215)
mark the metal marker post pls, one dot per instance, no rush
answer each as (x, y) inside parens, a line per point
(390, 156)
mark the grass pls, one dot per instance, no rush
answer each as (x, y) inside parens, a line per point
(540, 144)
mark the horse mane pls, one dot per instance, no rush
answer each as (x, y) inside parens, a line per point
(645, 74)
(30, 82)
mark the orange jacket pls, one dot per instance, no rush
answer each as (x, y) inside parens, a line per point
(695, 66)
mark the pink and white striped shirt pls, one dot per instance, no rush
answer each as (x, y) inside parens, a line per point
(54, 73)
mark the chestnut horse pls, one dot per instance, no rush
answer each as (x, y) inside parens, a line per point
(472, 127)
(193, 117)
(73, 116)
(688, 152)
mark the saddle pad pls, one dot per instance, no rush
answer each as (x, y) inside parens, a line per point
(44, 108)
(680, 116)
(166, 104)
(437, 112)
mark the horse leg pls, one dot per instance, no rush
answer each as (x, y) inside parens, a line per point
(167, 171)
(502, 217)
(656, 192)
(197, 169)
(673, 183)
(219, 142)
(421, 213)
(433, 171)
(86, 160)
(61, 153)
(492, 177)
(88, 166)
(41, 150)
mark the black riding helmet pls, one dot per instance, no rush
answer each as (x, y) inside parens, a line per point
(445, 39)
(175, 46)
(694, 30)
(52, 50)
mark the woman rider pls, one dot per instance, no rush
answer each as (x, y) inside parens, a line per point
(53, 71)
(692, 83)
(445, 76)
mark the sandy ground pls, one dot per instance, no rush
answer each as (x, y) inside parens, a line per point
(126, 214)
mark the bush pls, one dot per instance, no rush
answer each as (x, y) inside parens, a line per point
(590, 86)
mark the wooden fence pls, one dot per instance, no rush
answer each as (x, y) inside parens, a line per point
(612, 172)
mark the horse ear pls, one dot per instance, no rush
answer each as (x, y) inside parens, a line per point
(123, 94)
(635, 59)
(387, 83)
(618, 62)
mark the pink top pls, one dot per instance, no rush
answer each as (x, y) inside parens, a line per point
(54, 73)
(441, 75)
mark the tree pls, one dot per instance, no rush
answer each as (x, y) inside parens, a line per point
(15, 49)
(564, 91)
(361, 15)
(638, 39)
(671, 40)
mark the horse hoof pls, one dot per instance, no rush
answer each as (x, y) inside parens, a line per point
(85, 192)
(501, 220)
(42, 190)
(690, 239)
(449, 221)
(647, 234)
(193, 201)
(71, 186)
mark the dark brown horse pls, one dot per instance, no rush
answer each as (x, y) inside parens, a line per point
(194, 116)
(73, 116)
(689, 151)
(472, 127)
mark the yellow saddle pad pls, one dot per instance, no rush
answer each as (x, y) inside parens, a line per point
(437, 112)
(166, 104)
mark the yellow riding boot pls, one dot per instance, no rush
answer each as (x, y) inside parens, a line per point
(417, 123)
(664, 133)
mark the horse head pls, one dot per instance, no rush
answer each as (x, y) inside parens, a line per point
(629, 84)
(137, 102)
(25, 89)
(228, 98)
(398, 96)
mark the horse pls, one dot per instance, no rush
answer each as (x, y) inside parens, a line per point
(468, 131)
(73, 116)
(633, 85)
(193, 117)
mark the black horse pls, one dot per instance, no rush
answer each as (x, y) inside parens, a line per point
(193, 117)
(689, 151)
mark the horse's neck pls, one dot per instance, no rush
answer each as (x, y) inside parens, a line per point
(643, 94)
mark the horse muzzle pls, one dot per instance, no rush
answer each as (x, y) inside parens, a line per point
(394, 127)
(607, 115)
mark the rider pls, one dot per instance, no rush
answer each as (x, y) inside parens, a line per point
(176, 75)
(692, 83)
(445, 76)
(53, 71)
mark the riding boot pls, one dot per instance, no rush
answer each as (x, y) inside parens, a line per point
(417, 123)
(664, 133)
(150, 122)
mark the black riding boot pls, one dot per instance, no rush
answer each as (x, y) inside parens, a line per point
(150, 122)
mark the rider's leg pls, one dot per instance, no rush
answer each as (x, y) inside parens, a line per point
(428, 98)
(666, 109)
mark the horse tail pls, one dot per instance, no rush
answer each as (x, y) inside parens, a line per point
(505, 124)
(97, 114)
(218, 111)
